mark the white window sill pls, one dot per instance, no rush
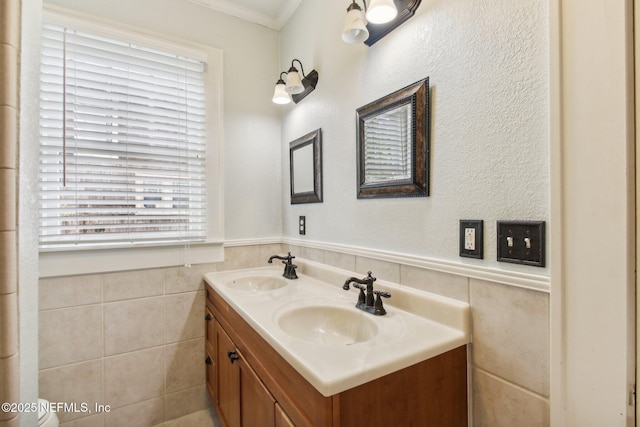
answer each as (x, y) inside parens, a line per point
(66, 262)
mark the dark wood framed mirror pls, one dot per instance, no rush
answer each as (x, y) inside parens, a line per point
(393, 144)
(305, 168)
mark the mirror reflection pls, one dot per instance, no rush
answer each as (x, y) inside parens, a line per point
(305, 168)
(389, 144)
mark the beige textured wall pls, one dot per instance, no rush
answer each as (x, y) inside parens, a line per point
(9, 359)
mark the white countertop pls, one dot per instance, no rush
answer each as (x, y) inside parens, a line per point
(418, 325)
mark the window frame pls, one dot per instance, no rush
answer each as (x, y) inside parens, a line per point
(117, 257)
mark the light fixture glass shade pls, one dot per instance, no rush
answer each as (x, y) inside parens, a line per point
(280, 95)
(355, 26)
(294, 84)
(381, 11)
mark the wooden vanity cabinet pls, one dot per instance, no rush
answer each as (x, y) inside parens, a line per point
(210, 358)
(260, 388)
(282, 420)
(243, 400)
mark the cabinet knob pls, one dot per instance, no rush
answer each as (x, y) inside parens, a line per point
(207, 317)
(233, 356)
(208, 361)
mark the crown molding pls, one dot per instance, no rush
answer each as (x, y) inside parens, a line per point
(250, 15)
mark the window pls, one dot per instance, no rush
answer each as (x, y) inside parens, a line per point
(122, 142)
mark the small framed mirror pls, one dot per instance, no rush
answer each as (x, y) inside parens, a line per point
(305, 168)
(393, 144)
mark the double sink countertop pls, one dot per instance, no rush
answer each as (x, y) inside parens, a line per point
(314, 325)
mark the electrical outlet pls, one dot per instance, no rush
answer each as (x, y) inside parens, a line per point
(302, 225)
(471, 242)
(470, 239)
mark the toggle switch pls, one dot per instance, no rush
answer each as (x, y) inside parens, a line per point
(521, 242)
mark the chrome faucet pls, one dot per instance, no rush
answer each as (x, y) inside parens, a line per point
(366, 300)
(289, 268)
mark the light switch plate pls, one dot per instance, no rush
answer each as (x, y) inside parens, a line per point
(521, 242)
(471, 241)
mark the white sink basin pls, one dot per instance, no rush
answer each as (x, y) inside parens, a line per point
(314, 324)
(327, 325)
(257, 283)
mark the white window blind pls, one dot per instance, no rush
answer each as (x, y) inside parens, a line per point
(388, 151)
(122, 142)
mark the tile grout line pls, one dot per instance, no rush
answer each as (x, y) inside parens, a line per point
(510, 383)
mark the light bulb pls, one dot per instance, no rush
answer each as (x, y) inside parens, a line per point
(381, 11)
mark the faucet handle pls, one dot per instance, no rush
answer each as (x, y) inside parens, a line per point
(378, 309)
(361, 296)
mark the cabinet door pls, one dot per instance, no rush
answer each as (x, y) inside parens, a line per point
(211, 377)
(209, 327)
(256, 404)
(228, 375)
(282, 420)
(210, 357)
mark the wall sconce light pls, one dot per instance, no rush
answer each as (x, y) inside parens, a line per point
(380, 18)
(355, 25)
(280, 95)
(293, 87)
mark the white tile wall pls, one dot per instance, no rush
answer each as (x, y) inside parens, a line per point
(499, 403)
(133, 284)
(69, 335)
(509, 356)
(100, 340)
(511, 334)
(76, 383)
(134, 377)
(133, 340)
(184, 314)
(133, 325)
(147, 413)
(448, 285)
(61, 292)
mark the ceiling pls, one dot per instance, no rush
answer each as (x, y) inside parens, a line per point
(270, 13)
